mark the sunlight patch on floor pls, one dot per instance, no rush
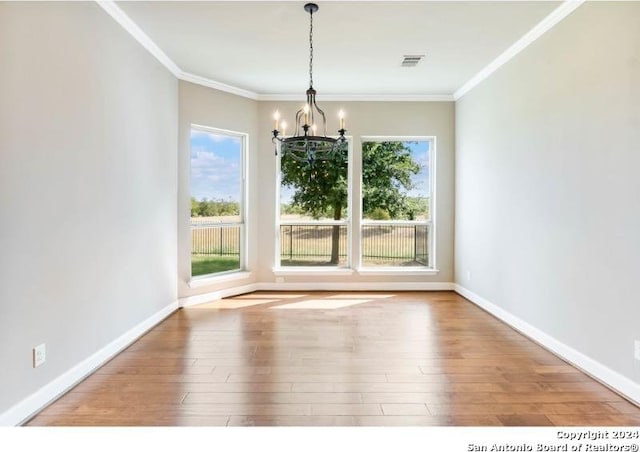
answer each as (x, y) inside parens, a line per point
(270, 295)
(233, 304)
(345, 296)
(324, 303)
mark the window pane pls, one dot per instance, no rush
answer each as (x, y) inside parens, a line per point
(314, 192)
(311, 194)
(395, 180)
(216, 202)
(389, 244)
(396, 203)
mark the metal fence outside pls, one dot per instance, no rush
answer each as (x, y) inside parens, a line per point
(215, 239)
(308, 244)
(395, 244)
(383, 243)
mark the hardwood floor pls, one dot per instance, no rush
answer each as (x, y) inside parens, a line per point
(336, 358)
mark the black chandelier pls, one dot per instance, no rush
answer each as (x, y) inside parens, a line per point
(309, 144)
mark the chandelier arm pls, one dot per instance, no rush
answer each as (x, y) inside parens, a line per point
(299, 114)
(324, 118)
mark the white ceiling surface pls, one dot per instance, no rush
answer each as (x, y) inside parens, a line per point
(358, 46)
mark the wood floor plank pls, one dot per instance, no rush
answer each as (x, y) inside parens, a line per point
(156, 388)
(396, 387)
(130, 421)
(291, 421)
(350, 409)
(393, 359)
(551, 397)
(532, 376)
(272, 397)
(605, 420)
(324, 368)
(278, 377)
(428, 397)
(404, 409)
(426, 421)
(573, 408)
(446, 378)
(166, 370)
(160, 378)
(623, 407)
(520, 420)
(120, 400)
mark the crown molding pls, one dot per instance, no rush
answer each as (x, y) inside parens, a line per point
(558, 14)
(203, 81)
(362, 97)
(130, 26)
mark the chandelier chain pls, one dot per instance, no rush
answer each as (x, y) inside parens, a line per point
(311, 49)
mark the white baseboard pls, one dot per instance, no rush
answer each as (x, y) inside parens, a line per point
(26, 408)
(619, 383)
(217, 295)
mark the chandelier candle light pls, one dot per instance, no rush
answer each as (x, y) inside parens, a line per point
(307, 145)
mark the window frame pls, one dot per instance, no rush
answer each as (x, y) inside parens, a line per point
(242, 270)
(431, 267)
(347, 269)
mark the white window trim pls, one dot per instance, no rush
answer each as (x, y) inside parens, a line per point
(243, 272)
(317, 271)
(431, 269)
(397, 271)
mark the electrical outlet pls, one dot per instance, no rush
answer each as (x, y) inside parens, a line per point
(637, 350)
(39, 355)
(468, 275)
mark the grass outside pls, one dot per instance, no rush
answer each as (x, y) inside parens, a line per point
(205, 265)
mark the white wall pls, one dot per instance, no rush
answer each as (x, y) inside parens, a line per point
(547, 187)
(212, 108)
(88, 183)
(365, 119)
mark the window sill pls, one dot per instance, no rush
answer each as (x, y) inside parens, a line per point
(372, 271)
(302, 271)
(209, 280)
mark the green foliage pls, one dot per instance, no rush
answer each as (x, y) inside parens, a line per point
(417, 208)
(379, 214)
(387, 168)
(214, 208)
(319, 187)
(290, 209)
(194, 207)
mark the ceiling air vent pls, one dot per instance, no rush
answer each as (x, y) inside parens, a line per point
(411, 60)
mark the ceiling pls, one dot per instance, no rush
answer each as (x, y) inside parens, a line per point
(263, 46)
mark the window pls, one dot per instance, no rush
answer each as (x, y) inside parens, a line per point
(314, 212)
(217, 201)
(396, 227)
